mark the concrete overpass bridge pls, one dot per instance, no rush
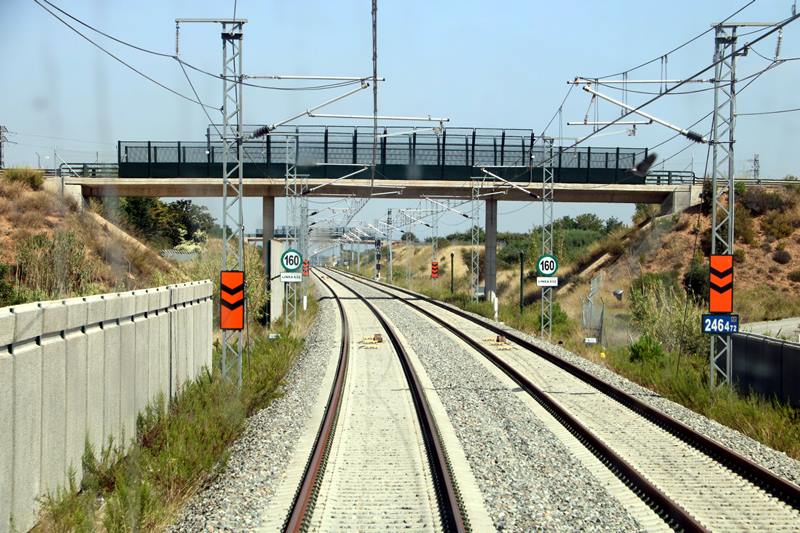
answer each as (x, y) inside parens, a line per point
(408, 166)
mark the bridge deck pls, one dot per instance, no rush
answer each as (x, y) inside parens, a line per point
(259, 187)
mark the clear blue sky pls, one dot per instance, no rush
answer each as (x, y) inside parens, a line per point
(483, 64)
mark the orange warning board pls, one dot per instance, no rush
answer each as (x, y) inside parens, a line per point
(434, 269)
(305, 268)
(721, 284)
(231, 300)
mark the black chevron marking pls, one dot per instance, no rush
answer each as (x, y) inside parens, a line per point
(231, 290)
(232, 306)
(721, 288)
(721, 273)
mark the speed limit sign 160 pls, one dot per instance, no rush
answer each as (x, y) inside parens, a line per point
(547, 265)
(291, 260)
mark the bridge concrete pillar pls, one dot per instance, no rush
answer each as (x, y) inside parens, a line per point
(490, 246)
(268, 227)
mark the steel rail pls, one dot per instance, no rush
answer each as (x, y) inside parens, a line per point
(450, 506)
(753, 472)
(306, 493)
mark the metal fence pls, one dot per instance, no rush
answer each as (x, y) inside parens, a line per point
(766, 366)
(353, 145)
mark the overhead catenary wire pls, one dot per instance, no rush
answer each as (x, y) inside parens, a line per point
(175, 56)
(752, 78)
(697, 74)
(773, 112)
(117, 58)
(690, 41)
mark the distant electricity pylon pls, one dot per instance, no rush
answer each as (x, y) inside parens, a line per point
(3, 140)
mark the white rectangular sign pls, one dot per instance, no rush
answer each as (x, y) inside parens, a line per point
(590, 340)
(547, 281)
(291, 277)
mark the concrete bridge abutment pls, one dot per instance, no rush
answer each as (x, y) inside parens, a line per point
(681, 200)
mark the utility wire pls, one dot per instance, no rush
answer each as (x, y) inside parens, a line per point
(560, 107)
(775, 112)
(659, 57)
(137, 71)
(175, 57)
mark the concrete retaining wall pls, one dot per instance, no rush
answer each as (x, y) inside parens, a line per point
(80, 370)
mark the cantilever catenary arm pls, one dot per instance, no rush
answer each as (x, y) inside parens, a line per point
(264, 130)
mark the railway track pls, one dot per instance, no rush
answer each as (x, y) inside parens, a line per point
(692, 482)
(377, 462)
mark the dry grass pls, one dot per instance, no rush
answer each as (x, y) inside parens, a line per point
(29, 177)
(115, 261)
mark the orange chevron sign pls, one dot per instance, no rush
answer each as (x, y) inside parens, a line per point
(721, 284)
(434, 269)
(231, 300)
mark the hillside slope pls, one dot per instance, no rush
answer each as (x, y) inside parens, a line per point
(49, 248)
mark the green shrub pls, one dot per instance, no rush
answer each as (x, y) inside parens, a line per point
(706, 198)
(31, 177)
(739, 188)
(695, 281)
(743, 226)
(645, 349)
(778, 225)
(782, 256)
(794, 275)
(644, 212)
(738, 256)
(669, 315)
(667, 279)
(758, 201)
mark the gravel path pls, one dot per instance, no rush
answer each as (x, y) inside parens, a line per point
(529, 480)
(235, 500)
(776, 461)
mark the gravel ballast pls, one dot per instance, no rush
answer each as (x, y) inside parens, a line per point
(529, 480)
(236, 499)
(774, 460)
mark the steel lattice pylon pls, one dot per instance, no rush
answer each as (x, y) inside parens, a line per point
(232, 214)
(475, 238)
(293, 191)
(722, 190)
(547, 233)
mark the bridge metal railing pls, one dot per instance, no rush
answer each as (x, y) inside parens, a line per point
(353, 146)
(455, 153)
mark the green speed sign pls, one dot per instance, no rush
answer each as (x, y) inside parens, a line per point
(291, 260)
(547, 265)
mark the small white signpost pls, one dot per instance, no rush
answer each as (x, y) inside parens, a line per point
(291, 277)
